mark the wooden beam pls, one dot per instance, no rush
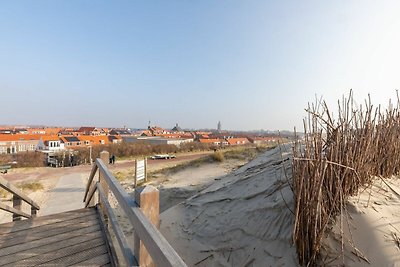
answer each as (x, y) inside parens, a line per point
(91, 195)
(159, 248)
(148, 200)
(91, 176)
(15, 191)
(14, 211)
(119, 234)
(17, 204)
(105, 157)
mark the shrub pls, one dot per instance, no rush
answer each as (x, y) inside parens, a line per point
(218, 156)
(30, 186)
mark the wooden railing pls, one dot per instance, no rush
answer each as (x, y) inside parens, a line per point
(18, 197)
(156, 248)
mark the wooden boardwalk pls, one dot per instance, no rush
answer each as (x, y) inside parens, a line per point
(73, 238)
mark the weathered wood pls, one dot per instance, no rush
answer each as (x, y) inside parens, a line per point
(20, 240)
(46, 230)
(33, 211)
(15, 191)
(13, 210)
(96, 261)
(77, 258)
(119, 234)
(90, 196)
(159, 248)
(17, 204)
(47, 240)
(148, 200)
(89, 182)
(7, 228)
(105, 157)
(53, 247)
(60, 253)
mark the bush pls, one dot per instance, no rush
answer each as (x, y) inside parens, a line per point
(24, 159)
(218, 156)
(30, 186)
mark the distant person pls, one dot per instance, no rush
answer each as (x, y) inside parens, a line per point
(113, 159)
(110, 160)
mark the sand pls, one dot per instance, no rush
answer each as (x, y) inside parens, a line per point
(243, 219)
(371, 228)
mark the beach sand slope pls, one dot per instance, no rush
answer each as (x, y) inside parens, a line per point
(244, 219)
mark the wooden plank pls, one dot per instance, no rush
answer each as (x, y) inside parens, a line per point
(59, 245)
(27, 224)
(148, 200)
(119, 234)
(57, 254)
(17, 204)
(47, 230)
(15, 191)
(11, 241)
(159, 248)
(77, 257)
(47, 240)
(90, 195)
(96, 261)
(105, 157)
(13, 210)
(91, 176)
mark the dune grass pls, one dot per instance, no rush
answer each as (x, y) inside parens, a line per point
(30, 186)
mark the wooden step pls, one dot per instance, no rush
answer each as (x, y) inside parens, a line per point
(64, 239)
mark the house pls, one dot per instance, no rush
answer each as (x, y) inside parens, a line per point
(119, 132)
(71, 141)
(114, 139)
(237, 141)
(16, 143)
(90, 140)
(155, 130)
(263, 140)
(156, 140)
(90, 131)
(214, 141)
(50, 143)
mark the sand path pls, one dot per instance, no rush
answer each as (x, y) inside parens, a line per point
(66, 195)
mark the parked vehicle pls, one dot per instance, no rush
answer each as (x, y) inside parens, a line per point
(163, 156)
(4, 169)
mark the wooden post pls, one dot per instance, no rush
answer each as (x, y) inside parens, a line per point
(145, 169)
(17, 204)
(33, 211)
(148, 200)
(105, 157)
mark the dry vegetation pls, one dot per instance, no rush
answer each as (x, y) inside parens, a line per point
(25, 159)
(246, 153)
(129, 150)
(338, 156)
(30, 186)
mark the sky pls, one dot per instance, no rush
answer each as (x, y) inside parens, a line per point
(249, 64)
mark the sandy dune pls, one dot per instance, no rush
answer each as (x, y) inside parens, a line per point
(241, 220)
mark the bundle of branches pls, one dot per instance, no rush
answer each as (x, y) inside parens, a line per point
(337, 156)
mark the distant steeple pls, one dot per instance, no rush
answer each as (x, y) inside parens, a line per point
(177, 128)
(219, 127)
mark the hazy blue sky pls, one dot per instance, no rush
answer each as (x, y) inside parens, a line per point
(249, 64)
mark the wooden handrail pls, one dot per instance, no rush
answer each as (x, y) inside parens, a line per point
(158, 247)
(15, 191)
(119, 234)
(18, 196)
